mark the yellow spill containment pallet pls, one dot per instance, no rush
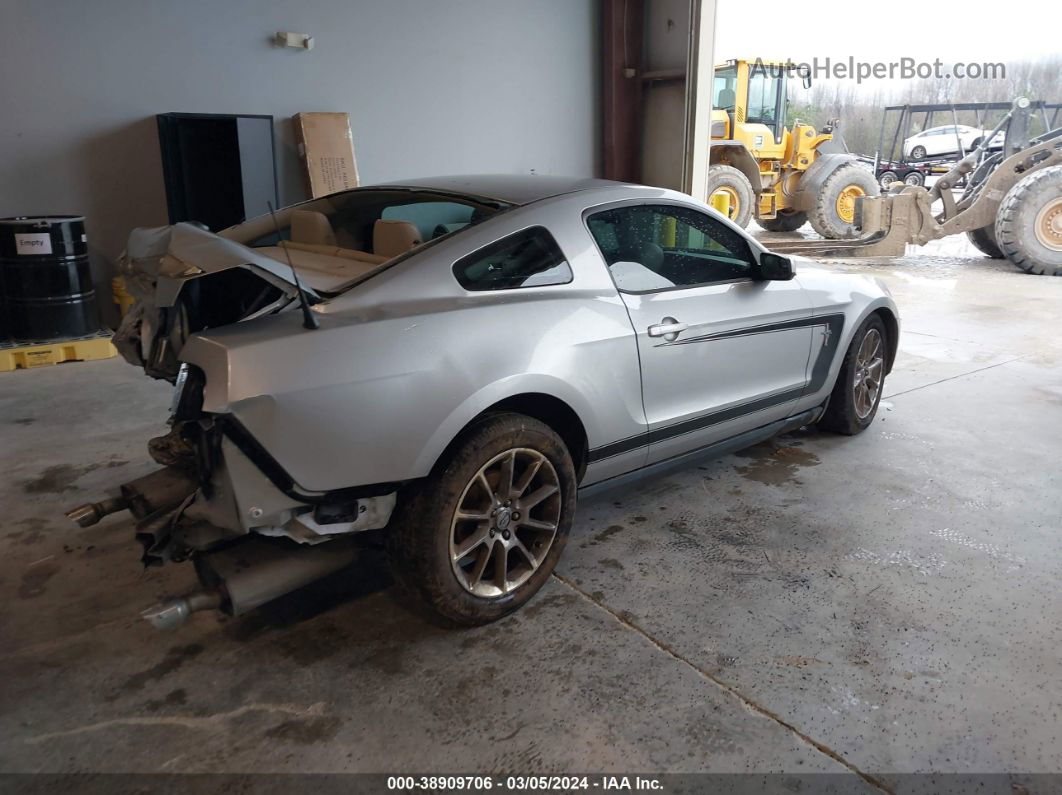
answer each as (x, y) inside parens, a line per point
(23, 356)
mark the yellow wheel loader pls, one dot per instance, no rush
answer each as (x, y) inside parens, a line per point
(783, 177)
(1009, 204)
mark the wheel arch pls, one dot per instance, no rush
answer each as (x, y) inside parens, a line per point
(738, 156)
(554, 411)
(892, 331)
(813, 179)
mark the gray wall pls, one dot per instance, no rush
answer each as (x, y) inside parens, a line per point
(431, 87)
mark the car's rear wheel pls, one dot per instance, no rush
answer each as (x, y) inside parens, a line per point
(857, 391)
(482, 534)
(918, 153)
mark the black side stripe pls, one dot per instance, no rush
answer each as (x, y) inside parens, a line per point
(695, 424)
(748, 331)
(278, 476)
(827, 353)
(834, 324)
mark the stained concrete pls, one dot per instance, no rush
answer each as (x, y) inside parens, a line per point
(873, 605)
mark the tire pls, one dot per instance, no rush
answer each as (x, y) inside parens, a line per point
(914, 178)
(1029, 223)
(427, 527)
(784, 221)
(886, 179)
(731, 180)
(918, 153)
(851, 411)
(984, 240)
(826, 217)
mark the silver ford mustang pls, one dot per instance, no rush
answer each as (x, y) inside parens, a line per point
(452, 361)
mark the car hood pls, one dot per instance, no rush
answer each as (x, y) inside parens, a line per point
(828, 289)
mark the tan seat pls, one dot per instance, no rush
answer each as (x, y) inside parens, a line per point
(391, 238)
(311, 227)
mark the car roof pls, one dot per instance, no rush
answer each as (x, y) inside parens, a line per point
(509, 188)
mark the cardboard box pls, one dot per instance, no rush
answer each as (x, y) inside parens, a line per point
(327, 151)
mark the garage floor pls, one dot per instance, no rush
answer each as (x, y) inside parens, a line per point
(873, 605)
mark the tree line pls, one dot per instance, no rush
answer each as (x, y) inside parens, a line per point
(860, 108)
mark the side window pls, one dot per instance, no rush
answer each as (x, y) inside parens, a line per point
(661, 247)
(529, 258)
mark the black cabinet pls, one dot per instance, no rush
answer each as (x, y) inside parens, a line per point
(219, 169)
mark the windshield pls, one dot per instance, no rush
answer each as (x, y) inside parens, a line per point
(723, 88)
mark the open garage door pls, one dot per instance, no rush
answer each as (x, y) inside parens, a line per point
(656, 82)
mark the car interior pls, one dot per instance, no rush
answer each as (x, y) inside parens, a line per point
(337, 239)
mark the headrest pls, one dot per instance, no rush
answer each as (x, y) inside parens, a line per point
(391, 238)
(309, 226)
(726, 98)
(650, 255)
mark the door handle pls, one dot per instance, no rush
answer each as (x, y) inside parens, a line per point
(668, 328)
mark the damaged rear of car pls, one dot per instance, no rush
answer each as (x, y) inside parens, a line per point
(221, 500)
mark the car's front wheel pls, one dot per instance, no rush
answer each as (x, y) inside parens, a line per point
(857, 391)
(482, 534)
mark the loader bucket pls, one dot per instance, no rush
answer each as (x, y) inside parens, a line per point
(887, 223)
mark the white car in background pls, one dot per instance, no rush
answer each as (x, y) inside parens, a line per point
(945, 141)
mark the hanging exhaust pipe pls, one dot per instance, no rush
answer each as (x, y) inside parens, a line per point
(239, 578)
(173, 613)
(162, 490)
(90, 513)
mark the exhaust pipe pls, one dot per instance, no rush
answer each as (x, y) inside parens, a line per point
(90, 513)
(162, 490)
(249, 574)
(171, 614)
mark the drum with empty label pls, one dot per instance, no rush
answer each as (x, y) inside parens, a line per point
(46, 291)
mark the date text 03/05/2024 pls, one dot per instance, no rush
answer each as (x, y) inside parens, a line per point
(521, 783)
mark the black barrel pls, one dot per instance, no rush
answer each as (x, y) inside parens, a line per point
(46, 288)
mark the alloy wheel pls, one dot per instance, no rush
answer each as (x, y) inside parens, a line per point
(505, 522)
(869, 368)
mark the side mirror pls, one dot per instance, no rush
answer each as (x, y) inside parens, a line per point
(775, 268)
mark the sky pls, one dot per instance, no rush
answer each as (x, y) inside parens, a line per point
(886, 30)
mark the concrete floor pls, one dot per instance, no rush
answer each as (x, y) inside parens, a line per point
(872, 605)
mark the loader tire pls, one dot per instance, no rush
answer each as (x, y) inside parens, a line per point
(1029, 223)
(784, 221)
(729, 180)
(984, 240)
(833, 215)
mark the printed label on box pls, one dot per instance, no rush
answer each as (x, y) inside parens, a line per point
(33, 244)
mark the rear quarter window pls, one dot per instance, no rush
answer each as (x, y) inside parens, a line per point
(528, 258)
